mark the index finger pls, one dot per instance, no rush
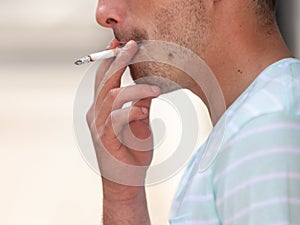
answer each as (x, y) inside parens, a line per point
(112, 77)
(105, 64)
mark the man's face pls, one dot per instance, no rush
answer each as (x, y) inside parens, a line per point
(182, 22)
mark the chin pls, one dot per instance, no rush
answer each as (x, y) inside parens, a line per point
(156, 74)
(164, 84)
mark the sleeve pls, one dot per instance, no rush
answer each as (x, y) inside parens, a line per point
(257, 178)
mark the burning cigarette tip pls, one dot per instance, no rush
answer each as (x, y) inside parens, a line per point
(97, 56)
(83, 60)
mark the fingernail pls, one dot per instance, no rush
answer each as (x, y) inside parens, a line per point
(109, 46)
(155, 89)
(128, 44)
(112, 44)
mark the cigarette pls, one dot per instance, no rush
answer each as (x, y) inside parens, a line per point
(98, 56)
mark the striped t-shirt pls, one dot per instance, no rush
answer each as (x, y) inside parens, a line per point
(248, 170)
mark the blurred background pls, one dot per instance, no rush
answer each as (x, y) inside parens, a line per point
(44, 179)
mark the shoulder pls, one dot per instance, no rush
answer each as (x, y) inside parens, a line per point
(275, 91)
(270, 101)
(257, 173)
(265, 119)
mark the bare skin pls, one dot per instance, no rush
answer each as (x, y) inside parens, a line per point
(228, 35)
(121, 201)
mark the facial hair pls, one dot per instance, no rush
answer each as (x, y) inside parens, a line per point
(181, 22)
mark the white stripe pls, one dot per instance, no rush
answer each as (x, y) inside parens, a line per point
(273, 99)
(230, 112)
(186, 180)
(257, 130)
(251, 109)
(233, 127)
(256, 155)
(245, 211)
(199, 198)
(203, 175)
(256, 180)
(277, 80)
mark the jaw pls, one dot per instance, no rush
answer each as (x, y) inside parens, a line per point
(164, 84)
(158, 74)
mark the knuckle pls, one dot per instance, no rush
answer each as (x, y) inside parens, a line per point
(102, 133)
(113, 117)
(90, 115)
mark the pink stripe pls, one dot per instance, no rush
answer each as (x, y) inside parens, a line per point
(273, 98)
(251, 109)
(280, 126)
(255, 180)
(199, 198)
(243, 212)
(256, 155)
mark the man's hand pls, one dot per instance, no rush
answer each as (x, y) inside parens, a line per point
(122, 139)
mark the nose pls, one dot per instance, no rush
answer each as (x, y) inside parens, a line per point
(109, 13)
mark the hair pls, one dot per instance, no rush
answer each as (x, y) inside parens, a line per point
(265, 9)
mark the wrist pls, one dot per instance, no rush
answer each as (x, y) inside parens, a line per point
(126, 211)
(118, 193)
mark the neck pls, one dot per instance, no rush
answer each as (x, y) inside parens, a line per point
(239, 58)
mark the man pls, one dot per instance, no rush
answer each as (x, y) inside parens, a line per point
(248, 174)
